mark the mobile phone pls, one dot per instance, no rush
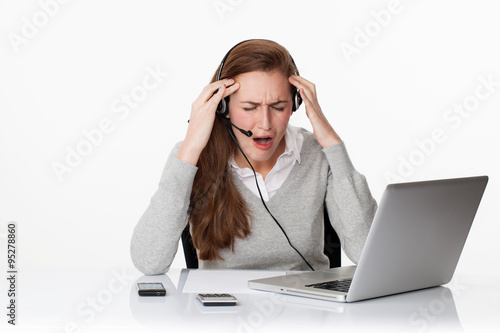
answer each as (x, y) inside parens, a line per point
(217, 299)
(151, 289)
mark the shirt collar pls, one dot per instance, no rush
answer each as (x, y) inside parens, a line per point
(293, 141)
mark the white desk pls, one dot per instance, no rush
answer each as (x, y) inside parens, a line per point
(74, 300)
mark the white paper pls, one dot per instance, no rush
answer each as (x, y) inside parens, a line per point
(224, 281)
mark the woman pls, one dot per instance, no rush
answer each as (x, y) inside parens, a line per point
(268, 219)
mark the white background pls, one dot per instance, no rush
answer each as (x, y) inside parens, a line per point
(68, 74)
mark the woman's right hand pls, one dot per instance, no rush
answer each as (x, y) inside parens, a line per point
(202, 119)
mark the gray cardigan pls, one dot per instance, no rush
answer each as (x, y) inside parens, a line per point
(324, 177)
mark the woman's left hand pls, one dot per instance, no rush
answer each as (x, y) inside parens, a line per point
(323, 131)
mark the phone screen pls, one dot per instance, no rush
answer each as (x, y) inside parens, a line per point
(151, 289)
(149, 286)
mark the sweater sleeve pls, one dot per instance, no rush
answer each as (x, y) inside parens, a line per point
(349, 202)
(156, 237)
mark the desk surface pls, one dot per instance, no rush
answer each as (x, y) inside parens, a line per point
(75, 300)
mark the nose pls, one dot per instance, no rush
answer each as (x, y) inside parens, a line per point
(264, 119)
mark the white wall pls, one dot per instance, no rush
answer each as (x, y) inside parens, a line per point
(65, 69)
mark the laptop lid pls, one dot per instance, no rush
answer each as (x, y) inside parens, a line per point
(417, 236)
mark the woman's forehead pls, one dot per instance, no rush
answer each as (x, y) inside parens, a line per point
(256, 85)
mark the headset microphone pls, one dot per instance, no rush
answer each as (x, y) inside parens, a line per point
(247, 133)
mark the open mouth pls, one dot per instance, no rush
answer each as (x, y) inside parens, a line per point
(263, 142)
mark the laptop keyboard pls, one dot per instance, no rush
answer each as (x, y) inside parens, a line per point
(336, 285)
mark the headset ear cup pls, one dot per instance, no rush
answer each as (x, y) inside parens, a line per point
(297, 100)
(222, 108)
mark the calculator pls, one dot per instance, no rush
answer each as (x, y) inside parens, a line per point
(217, 299)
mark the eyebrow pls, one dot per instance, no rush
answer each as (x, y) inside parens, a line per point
(256, 103)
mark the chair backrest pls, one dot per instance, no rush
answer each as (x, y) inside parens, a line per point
(331, 249)
(332, 243)
(189, 249)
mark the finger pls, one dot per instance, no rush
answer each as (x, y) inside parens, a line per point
(293, 81)
(213, 88)
(312, 107)
(218, 95)
(300, 82)
(231, 89)
(305, 98)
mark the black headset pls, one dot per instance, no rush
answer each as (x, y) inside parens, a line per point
(222, 108)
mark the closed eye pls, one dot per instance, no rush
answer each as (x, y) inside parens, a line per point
(274, 107)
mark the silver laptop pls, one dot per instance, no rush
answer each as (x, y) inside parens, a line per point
(415, 241)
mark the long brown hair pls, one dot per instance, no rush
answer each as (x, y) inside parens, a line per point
(217, 211)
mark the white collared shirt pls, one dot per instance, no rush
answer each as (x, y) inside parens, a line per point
(279, 172)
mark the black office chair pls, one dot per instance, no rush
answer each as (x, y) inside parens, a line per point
(189, 249)
(331, 249)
